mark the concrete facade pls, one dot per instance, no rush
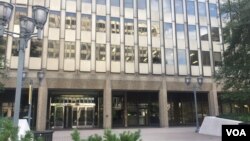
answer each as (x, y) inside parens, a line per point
(165, 73)
(108, 82)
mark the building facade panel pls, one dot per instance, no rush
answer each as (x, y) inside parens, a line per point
(106, 53)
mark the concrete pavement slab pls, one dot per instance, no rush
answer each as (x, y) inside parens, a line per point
(147, 134)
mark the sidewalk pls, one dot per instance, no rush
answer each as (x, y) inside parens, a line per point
(147, 134)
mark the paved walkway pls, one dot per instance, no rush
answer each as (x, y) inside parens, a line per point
(147, 134)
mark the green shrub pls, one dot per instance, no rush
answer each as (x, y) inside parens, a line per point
(94, 137)
(75, 135)
(129, 136)
(28, 136)
(109, 136)
(8, 130)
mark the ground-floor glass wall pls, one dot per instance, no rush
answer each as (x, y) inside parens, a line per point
(135, 108)
(182, 111)
(75, 109)
(7, 102)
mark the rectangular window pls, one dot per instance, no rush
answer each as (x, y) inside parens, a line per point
(128, 3)
(192, 32)
(167, 6)
(206, 58)
(100, 52)
(53, 48)
(217, 59)
(143, 54)
(202, 9)
(36, 48)
(168, 30)
(179, 6)
(190, 8)
(115, 25)
(215, 34)
(142, 4)
(129, 53)
(20, 11)
(155, 5)
(169, 56)
(182, 57)
(115, 3)
(194, 61)
(115, 53)
(142, 28)
(87, 1)
(155, 29)
(54, 19)
(203, 33)
(180, 31)
(129, 26)
(100, 24)
(69, 50)
(213, 10)
(86, 22)
(15, 45)
(102, 2)
(70, 20)
(85, 52)
(156, 55)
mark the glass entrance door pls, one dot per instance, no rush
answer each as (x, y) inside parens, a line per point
(86, 116)
(58, 116)
(72, 116)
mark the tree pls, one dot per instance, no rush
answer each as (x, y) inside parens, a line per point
(235, 71)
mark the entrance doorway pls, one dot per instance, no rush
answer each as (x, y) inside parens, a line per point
(182, 110)
(75, 111)
(134, 108)
(72, 116)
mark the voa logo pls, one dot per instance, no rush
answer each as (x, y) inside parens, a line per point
(236, 132)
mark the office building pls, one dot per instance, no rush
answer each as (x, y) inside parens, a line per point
(117, 63)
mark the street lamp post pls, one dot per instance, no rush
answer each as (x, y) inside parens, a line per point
(27, 25)
(195, 87)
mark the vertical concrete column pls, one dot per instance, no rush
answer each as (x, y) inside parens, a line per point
(108, 36)
(150, 62)
(107, 104)
(175, 49)
(186, 37)
(126, 109)
(136, 41)
(163, 104)
(122, 42)
(45, 39)
(163, 63)
(199, 48)
(213, 101)
(93, 35)
(62, 35)
(42, 106)
(78, 34)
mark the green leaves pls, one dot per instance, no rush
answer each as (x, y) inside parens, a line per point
(8, 130)
(234, 74)
(75, 135)
(109, 136)
(129, 136)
